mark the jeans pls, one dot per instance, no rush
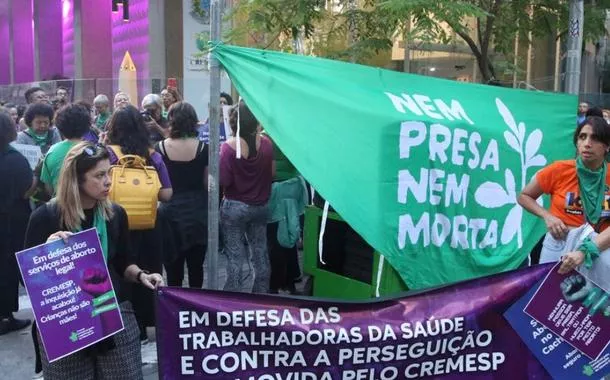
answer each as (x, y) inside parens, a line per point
(239, 220)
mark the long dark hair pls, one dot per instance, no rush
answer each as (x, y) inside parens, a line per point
(126, 128)
(248, 126)
(183, 120)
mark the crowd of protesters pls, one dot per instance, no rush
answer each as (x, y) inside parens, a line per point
(67, 191)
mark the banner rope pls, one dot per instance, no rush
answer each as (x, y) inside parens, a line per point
(379, 273)
(322, 230)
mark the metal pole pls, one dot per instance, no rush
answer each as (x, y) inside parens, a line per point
(575, 28)
(214, 149)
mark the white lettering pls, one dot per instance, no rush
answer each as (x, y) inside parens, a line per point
(406, 141)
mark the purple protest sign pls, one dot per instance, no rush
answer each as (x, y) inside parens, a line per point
(450, 332)
(71, 293)
(574, 308)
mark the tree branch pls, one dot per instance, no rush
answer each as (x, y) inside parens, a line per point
(471, 43)
(489, 27)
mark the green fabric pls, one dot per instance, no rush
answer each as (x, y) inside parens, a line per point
(39, 140)
(592, 186)
(591, 251)
(287, 202)
(100, 120)
(100, 225)
(426, 170)
(53, 162)
(284, 169)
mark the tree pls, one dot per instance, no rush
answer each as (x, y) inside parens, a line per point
(488, 27)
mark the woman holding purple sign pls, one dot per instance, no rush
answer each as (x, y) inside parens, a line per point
(82, 203)
(580, 205)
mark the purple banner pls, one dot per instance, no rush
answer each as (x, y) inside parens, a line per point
(574, 308)
(451, 332)
(71, 293)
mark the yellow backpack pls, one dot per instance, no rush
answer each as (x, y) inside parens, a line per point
(135, 186)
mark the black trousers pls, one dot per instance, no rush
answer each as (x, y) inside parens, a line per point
(194, 258)
(284, 261)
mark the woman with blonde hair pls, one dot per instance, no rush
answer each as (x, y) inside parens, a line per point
(82, 203)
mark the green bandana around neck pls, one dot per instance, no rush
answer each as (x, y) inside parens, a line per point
(38, 140)
(592, 186)
(100, 225)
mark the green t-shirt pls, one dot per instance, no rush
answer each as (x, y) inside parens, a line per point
(53, 162)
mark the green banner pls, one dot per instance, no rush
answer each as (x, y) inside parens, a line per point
(427, 170)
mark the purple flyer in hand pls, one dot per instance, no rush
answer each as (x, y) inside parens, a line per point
(574, 308)
(71, 293)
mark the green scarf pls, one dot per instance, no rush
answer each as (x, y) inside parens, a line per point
(592, 186)
(38, 140)
(100, 225)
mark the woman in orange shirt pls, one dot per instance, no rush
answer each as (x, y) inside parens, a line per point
(580, 194)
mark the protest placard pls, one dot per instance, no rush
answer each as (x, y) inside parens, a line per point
(32, 153)
(576, 309)
(453, 332)
(559, 358)
(71, 293)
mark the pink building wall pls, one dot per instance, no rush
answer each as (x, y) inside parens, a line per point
(5, 74)
(132, 36)
(68, 38)
(23, 41)
(49, 27)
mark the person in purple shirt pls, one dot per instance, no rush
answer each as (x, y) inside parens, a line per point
(247, 187)
(127, 129)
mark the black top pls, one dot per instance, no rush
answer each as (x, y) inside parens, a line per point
(14, 208)
(186, 176)
(45, 221)
(16, 180)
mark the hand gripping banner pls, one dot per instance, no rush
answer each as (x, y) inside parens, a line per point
(452, 332)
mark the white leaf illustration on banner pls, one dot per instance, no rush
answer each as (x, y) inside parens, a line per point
(512, 141)
(532, 144)
(537, 160)
(507, 116)
(510, 184)
(521, 131)
(512, 224)
(492, 195)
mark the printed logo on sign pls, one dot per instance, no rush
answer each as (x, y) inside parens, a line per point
(458, 201)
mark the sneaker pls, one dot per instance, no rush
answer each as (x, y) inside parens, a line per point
(11, 324)
(38, 376)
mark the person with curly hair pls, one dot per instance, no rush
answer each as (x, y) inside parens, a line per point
(73, 121)
(40, 131)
